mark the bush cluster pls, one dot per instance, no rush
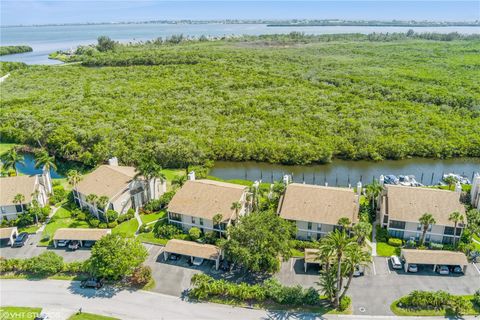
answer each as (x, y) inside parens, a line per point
(382, 234)
(167, 231)
(395, 242)
(301, 244)
(434, 300)
(205, 287)
(46, 264)
(59, 195)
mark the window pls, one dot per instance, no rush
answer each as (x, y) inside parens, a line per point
(385, 219)
(4, 210)
(397, 224)
(459, 231)
(427, 238)
(430, 227)
(223, 226)
(201, 221)
(449, 231)
(18, 208)
(309, 236)
(447, 240)
(193, 220)
(396, 234)
(309, 226)
(175, 216)
(419, 227)
(319, 227)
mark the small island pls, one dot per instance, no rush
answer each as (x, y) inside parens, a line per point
(4, 50)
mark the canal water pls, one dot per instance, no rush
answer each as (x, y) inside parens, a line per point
(28, 168)
(341, 172)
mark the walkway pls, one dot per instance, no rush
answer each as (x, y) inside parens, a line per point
(139, 220)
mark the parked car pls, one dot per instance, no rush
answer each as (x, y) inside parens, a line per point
(457, 269)
(443, 270)
(412, 268)
(225, 266)
(20, 240)
(74, 245)
(396, 263)
(62, 243)
(197, 261)
(174, 256)
(359, 271)
(92, 283)
(88, 244)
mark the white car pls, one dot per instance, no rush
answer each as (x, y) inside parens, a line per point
(197, 261)
(396, 263)
(443, 270)
(62, 243)
(412, 268)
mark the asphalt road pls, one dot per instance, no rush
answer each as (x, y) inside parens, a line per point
(61, 298)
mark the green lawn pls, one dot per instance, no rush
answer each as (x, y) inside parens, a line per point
(29, 229)
(386, 250)
(297, 253)
(472, 310)
(19, 313)
(126, 228)
(149, 237)
(4, 147)
(146, 218)
(61, 219)
(90, 316)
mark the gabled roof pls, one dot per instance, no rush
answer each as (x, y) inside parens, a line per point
(311, 203)
(106, 180)
(11, 186)
(195, 249)
(439, 257)
(410, 203)
(80, 234)
(206, 198)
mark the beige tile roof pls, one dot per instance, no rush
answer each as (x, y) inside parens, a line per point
(206, 198)
(318, 204)
(7, 232)
(311, 256)
(434, 257)
(106, 180)
(11, 186)
(195, 249)
(410, 203)
(80, 234)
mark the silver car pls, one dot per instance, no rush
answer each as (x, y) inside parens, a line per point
(412, 268)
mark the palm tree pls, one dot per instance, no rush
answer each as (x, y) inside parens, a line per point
(455, 217)
(344, 223)
(44, 160)
(425, 220)
(362, 230)
(354, 256)
(11, 159)
(35, 203)
(450, 181)
(147, 170)
(179, 181)
(102, 203)
(236, 206)
(372, 192)
(73, 177)
(92, 200)
(19, 198)
(339, 242)
(217, 219)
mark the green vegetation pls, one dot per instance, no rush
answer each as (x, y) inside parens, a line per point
(439, 303)
(146, 218)
(4, 147)
(90, 316)
(61, 219)
(4, 50)
(126, 228)
(290, 99)
(386, 250)
(18, 313)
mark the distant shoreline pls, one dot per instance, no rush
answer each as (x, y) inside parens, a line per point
(278, 23)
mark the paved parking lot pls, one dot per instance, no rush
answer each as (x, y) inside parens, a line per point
(30, 249)
(373, 293)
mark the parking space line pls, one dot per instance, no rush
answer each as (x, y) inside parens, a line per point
(476, 268)
(388, 267)
(374, 269)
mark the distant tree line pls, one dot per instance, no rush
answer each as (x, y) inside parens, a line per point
(4, 50)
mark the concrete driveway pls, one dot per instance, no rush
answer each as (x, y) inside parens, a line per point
(30, 249)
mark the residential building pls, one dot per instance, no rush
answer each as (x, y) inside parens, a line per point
(316, 210)
(401, 208)
(120, 185)
(33, 188)
(475, 191)
(198, 201)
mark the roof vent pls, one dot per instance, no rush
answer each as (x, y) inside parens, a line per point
(113, 161)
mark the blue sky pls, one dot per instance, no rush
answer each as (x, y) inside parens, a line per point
(27, 12)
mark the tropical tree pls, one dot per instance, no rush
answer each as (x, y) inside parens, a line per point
(147, 170)
(11, 159)
(44, 160)
(426, 220)
(217, 219)
(361, 230)
(344, 223)
(450, 181)
(73, 178)
(372, 192)
(473, 221)
(92, 200)
(19, 198)
(102, 204)
(354, 257)
(179, 180)
(455, 217)
(236, 206)
(35, 206)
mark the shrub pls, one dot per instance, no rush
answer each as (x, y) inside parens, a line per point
(411, 244)
(344, 303)
(395, 242)
(165, 199)
(59, 194)
(436, 246)
(194, 233)
(25, 219)
(381, 234)
(102, 225)
(81, 216)
(94, 222)
(141, 276)
(167, 231)
(122, 218)
(112, 215)
(130, 212)
(301, 245)
(153, 205)
(144, 228)
(210, 237)
(46, 263)
(112, 224)
(476, 297)
(74, 267)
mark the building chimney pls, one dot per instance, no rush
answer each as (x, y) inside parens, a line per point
(113, 161)
(359, 188)
(191, 176)
(382, 180)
